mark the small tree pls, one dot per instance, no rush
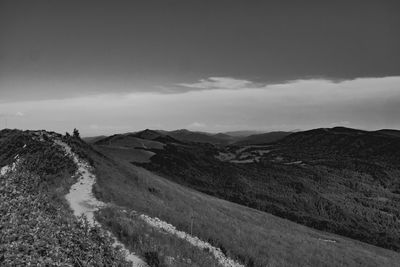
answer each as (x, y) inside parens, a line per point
(76, 133)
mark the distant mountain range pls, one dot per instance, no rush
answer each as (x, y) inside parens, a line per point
(223, 139)
(200, 137)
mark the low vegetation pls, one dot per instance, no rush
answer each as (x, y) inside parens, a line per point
(157, 247)
(37, 228)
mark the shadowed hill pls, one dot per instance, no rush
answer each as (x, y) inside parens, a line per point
(395, 133)
(132, 141)
(253, 237)
(340, 180)
(93, 139)
(341, 142)
(241, 134)
(148, 134)
(170, 136)
(183, 135)
(263, 138)
(201, 137)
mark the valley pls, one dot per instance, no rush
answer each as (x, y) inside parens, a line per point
(307, 199)
(291, 189)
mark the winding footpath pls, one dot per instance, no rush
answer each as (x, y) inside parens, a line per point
(193, 240)
(9, 168)
(83, 202)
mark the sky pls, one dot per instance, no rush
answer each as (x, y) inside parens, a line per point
(118, 66)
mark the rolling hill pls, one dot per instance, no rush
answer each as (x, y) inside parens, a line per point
(93, 139)
(200, 137)
(254, 237)
(221, 139)
(339, 180)
(229, 203)
(263, 138)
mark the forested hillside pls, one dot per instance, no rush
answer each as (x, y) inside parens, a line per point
(339, 180)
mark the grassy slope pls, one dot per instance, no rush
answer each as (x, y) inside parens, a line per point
(129, 140)
(347, 183)
(128, 154)
(37, 227)
(254, 237)
(156, 247)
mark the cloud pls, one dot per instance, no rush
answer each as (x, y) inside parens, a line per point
(219, 83)
(16, 114)
(196, 125)
(340, 123)
(368, 103)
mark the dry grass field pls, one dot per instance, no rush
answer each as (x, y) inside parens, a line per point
(252, 237)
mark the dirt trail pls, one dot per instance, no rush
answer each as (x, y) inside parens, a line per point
(83, 202)
(9, 168)
(193, 240)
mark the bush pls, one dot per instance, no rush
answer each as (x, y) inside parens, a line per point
(152, 259)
